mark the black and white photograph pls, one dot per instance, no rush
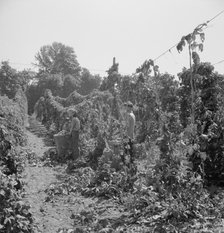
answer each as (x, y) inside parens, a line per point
(111, 116)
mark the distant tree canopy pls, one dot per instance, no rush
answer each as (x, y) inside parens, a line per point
(89, 82)
(59, 71)
(58, 58)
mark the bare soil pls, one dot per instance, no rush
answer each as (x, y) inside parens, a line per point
(56, 213)
(49, 215)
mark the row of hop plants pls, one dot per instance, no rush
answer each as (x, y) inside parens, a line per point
(163, 109)
(207, 142)
(174, 193)
(95, 113)
(185, 185)
(172, 196)
(14, 213)
(160, 99)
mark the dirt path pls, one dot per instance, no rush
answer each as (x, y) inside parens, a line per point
(48, 216)
(55, 211)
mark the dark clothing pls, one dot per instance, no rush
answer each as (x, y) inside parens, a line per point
(129, 150)
(75, 144)
(75, 127)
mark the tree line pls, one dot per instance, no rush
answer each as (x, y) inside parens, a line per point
(58, 70)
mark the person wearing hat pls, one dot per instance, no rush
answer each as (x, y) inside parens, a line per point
(66, 126)
(74, 132)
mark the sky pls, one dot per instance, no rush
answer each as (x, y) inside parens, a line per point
(98, 30)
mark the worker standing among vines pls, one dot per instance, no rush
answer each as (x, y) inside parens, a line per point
(74, 132)
(130, 130)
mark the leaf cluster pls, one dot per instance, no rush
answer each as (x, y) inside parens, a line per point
(14, 214)
(191, 39)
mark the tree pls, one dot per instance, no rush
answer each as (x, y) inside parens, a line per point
(53, 82)
(10, 80)
(58, 58)
(69, 85)
(89, 82)
(59, 71)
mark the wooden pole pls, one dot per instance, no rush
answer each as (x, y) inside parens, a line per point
(192, 86)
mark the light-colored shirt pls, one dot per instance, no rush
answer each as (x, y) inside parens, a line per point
(130, 125)
(75, 125)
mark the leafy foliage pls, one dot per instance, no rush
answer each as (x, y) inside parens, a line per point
(114, 176)
(191, 39)
(57, 59)
(60, 72)
(89, 82)
(11, 80)
(170, 196)
(13, 118)
(161, 92)
(14, 214)
(207, 158)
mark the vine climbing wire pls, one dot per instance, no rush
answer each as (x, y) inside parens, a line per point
(190, 39)
(174, 46)
(168, 50)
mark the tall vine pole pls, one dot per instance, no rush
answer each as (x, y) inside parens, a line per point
(146, 68)
(191, 40)
(192, 86)
(156, 74)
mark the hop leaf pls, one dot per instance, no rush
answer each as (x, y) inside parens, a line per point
(200, 46)
(180, 46)
(196, 58)
(202, 36)
(151, 62)
(156, 68)
(188, 38)
(194, 45)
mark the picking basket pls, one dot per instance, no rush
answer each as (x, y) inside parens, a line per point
(63, 144)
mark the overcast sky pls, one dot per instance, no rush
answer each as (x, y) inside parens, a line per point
(98, 30)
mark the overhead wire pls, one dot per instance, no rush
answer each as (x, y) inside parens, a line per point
(22, 64)
(91, 70)
(219, 62)
(162, 54)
